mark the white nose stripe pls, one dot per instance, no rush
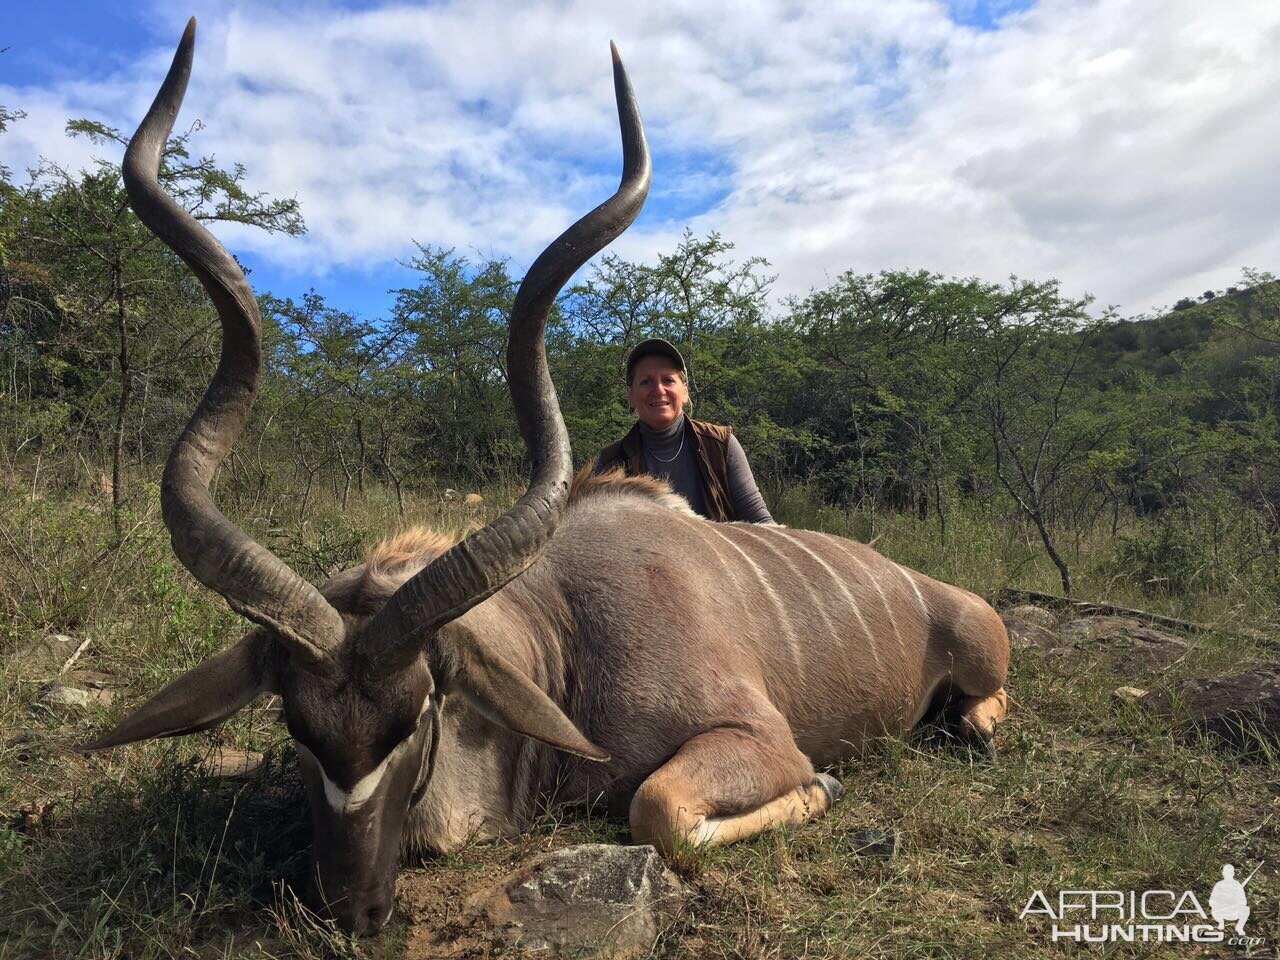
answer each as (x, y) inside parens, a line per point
(347, 801)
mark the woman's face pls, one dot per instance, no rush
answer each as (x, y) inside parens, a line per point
(658, 392)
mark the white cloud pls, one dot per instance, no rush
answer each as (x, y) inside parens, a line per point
(1123, 146)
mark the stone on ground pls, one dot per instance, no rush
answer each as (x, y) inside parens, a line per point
(231, 764)
(1075, 632)
(1024, 634)
(592, 900)
(1032, 614)
(1238, 708)
(1129, 694)
(1136, 645)
(45, 653)
(1125, 644)
(74, 698)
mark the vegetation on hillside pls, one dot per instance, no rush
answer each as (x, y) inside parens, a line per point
(898, 391)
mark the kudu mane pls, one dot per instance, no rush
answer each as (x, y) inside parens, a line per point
(389, 563)
(588, 485)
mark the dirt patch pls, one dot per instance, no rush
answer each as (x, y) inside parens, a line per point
(433, 900)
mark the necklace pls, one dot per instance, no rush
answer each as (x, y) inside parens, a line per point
(655, 456)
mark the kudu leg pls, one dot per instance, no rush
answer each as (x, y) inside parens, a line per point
(979, 716)
(726, 785)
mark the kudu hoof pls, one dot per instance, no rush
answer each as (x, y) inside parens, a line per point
(983, 750)
(981, 742)
(832, 787)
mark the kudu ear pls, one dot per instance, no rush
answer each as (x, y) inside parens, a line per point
(505, 695)
(202, 697)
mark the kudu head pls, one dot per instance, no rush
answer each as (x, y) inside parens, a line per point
(361, 691)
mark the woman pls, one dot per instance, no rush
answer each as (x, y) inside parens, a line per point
(704, 463)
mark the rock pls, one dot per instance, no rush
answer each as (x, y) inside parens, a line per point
(56, 695)
(1135, 645)
(1032, 614)
(1237, 708)
(1126, 644)
(1129, 694)
(231, 764)
(874, 842)
(75, 698)
(1075, 632)
(1023, 634)
(596, 900)
(94, 680)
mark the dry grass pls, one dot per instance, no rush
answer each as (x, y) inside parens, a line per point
(139, 853)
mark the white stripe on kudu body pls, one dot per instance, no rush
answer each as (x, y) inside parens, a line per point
(870, 577)
(924, 607)
(815, 600)
(850, 599)
(778, 607)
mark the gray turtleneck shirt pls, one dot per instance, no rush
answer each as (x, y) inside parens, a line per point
(669, 454)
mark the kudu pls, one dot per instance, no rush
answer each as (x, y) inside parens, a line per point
(695, 671)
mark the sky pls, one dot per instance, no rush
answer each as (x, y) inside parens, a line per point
(1126, 147)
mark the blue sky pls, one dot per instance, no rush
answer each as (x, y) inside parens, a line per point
(1119, 145)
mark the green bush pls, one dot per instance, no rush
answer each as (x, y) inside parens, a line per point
(1161, 558)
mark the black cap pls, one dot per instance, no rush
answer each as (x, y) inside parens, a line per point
(654, 346)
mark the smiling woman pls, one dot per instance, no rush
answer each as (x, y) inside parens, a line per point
(703, 462)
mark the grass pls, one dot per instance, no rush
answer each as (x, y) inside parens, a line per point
(139, 853)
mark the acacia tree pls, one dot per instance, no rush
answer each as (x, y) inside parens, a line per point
(453, 352)
(742, 367)
(889, 383)
(687, 297)
(1033, 397)
(1242, 363)
(131, 303)
(341, 364)
(1254, 308)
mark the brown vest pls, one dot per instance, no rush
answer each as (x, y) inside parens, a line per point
(711, 453)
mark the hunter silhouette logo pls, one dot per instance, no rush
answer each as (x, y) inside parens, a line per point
(1228, 901)
(1149, 916)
